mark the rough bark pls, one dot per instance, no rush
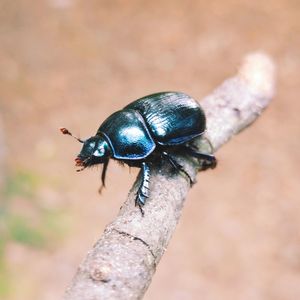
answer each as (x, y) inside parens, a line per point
(123, 261)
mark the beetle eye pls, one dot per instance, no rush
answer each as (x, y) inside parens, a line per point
(99, 152)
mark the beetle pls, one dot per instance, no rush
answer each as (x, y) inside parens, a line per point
(145, 132)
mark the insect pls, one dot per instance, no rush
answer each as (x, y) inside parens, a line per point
(147, 131)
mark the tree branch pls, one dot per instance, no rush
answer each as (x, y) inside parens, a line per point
(123, 261)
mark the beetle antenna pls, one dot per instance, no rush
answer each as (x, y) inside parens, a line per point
(66, 131)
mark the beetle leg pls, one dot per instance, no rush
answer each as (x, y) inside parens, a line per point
(143, 191)
(209, 160)
(177, 166)
(195, 147)
(103, 175)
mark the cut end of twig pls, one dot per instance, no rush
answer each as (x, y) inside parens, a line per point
(241, 98)
(258, 71)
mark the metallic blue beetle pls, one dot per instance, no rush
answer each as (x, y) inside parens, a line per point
(144, 132)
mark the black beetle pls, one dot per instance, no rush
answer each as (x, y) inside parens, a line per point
(144, 132)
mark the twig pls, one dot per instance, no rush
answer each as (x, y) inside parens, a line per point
(123, 261)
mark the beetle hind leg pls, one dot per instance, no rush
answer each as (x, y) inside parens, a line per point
(209, 161)
(178, 167)
(143, 191)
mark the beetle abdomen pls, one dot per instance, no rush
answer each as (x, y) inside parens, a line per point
(172, 117)
(132, 139)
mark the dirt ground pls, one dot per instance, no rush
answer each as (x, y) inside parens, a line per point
(72, 63)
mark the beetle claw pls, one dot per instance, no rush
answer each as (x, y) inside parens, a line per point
(141, 209)
(139, 201)
(101, 189)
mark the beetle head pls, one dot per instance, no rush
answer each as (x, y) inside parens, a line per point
(95, 150)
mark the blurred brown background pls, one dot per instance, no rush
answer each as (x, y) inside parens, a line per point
(72, 63)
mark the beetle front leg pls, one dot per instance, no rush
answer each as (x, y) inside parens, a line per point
(143, 191)
(103, 175)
